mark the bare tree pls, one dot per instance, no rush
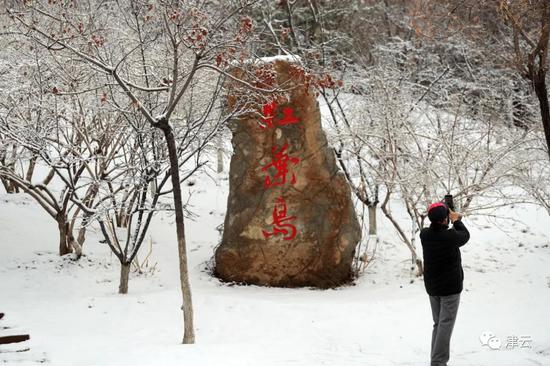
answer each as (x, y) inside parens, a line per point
(195, 40)
(511, 35)
(74, 145)
(131, 190)
(530, 23)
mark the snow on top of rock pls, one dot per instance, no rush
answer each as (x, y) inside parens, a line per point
(269, 59)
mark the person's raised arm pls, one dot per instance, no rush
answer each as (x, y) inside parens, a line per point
(462, 235)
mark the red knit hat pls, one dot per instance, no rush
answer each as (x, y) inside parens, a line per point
(438, 212)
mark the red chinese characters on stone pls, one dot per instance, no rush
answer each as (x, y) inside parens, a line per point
(280, 163)
(268, 119)
(281, 222)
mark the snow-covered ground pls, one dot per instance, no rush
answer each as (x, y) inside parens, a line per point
(75, 316)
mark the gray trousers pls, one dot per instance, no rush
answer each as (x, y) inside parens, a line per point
(444, 309)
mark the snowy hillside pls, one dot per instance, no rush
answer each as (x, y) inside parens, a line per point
(117, 119)
(75, 316)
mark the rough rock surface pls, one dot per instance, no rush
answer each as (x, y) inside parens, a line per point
(290, 218)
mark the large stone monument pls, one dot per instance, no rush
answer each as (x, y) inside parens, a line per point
(290, 218)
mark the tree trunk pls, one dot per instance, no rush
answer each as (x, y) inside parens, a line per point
(220, 159)
(542, 95)
(88, 201)
(81, 238)
(63, 226)
(30, 171)
(124, 276)
(372, 220)
(14, 188)
(189, 333)
(74, 245)
(8, 186)
(414, 256)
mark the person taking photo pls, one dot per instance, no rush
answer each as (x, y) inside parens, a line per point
(443, 274)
